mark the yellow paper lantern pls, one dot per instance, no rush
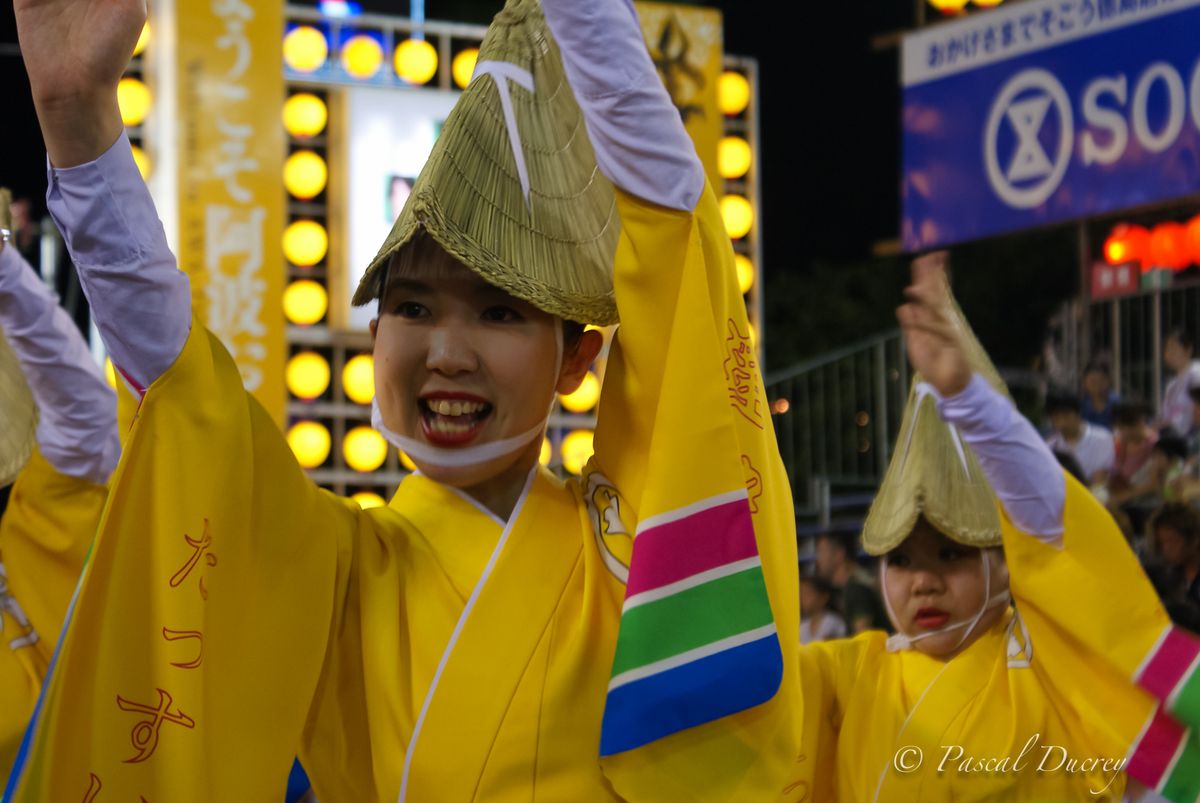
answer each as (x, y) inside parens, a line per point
(367, 500)
(307, 375)
(143, 40)
(949, 6)
(988, 3)
(416, 61)
(546, 452)
(310, 443)
(110, 373)
(305, 243)
(745, 272)
(463, 66)
(362, 55)
(142, 161)
(305, 49)
(738, 216)
(733, 93)
(733, 157)
(133, 97)
(305, 115)
(577, 449)
(305, 302)
(358, 379)
(364, 449)
(305, 175)
(406, 461)
(585, 396)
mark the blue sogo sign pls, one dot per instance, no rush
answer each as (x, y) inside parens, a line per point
(1048, 111)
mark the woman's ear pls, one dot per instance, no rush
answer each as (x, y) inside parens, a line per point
(577, 360)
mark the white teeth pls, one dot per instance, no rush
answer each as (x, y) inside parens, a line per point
(448, 427)
(454, 408)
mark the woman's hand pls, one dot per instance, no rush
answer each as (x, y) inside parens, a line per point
(933, 340)
(75, 52)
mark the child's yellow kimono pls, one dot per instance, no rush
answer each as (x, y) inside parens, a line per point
(232, 612)
(45, 533)
(1041, 707)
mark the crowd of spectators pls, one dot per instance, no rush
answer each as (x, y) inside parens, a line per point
(1143, 465)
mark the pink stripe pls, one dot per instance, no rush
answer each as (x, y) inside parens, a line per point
(1169, 663)
(141, 391)
(1152, 757)
(672, 552)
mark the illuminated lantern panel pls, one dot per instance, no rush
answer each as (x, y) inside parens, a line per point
(546, 452)
(738, 216)
(358, 379)
(463, 66)
(1168, 246)
(416, 61)
(1127, 243)
(305, 175)
(307, 375)
(949, 6)
(406, 461)
(305, 49)
(362, 56)
(364, 449)
(577, 450)
(733, 157)
(143, 40)
(988, 3)
(745, 272)
(305, 243)
(305, 115)
(310, 443)
(585, 396)
(367, 500)
(1193, 239)
(142, 161)
(133, 97)
(733, 93)
(305, 302)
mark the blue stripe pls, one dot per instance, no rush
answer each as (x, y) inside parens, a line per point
(297, 784)
(23, 751)
(701, 691)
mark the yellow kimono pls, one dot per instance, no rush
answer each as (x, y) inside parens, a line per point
(1043, 706)
(45, 533)
(232, 612)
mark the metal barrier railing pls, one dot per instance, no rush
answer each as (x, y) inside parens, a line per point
(836, 416)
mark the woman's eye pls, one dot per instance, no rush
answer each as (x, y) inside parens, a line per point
(898, 560)
(949, 554)
(501, 315)
(410, 309)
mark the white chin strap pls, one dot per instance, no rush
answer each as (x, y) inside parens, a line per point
(901, 641)
(441, 457)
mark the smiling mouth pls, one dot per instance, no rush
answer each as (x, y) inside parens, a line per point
(452, 422)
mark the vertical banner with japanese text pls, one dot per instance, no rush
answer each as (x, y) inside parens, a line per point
(686, 45)
(230, 143)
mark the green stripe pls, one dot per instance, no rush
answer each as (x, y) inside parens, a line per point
(1187, 705)
(692, 618)
(1183, 785)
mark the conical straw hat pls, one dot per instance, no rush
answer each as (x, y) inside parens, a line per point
(933, 472)
(511, 188)
(18, 417)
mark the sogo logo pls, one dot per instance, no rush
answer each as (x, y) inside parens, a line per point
(1029, 175)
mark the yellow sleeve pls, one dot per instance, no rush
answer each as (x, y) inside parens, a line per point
(204, 611)
(45, 534)
(1090, 624)
(685, 444)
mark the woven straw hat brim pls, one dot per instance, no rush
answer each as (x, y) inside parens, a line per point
(933, 472)
(17, 414)
(934, 479)
(555, 249)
